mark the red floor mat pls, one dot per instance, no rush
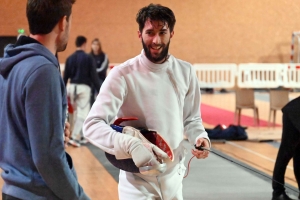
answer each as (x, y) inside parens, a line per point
(214, 116)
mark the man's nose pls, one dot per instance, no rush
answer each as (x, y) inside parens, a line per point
(157, 39)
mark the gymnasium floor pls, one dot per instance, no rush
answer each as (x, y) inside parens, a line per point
(215, 177)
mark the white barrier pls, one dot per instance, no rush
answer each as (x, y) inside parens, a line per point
(268, 75)
(249, 75)
(216, 75)
(291, 75)
(260, 75)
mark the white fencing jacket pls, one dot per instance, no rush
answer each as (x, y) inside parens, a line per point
(164, 97)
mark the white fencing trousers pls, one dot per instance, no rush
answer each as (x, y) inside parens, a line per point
(140, 187)
(80, 99)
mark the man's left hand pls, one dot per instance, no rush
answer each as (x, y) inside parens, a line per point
(198, 153)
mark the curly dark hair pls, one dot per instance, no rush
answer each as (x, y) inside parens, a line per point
(155, 12)
(44, 15)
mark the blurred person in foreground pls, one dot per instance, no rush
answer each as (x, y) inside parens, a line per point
(33, 107)
(163, 93)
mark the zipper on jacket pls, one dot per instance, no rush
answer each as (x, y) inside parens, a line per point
(171, 77)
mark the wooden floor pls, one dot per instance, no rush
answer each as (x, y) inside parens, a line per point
(96, 181)
(93, 177)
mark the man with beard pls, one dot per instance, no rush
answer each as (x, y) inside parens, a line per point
(163, 93)
(33, 108)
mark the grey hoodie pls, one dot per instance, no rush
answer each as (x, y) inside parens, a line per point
(33, 111)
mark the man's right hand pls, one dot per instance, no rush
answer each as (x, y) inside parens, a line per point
(142, 154)
(67, 133)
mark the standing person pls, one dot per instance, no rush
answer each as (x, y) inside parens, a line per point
(163, 93)
(102, 61)
(289, 148)
(33, 107)
(81, 70)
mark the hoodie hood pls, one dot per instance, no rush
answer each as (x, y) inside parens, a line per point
(24, 48)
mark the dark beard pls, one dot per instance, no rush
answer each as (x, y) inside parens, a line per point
(161, 57)
(62, 48)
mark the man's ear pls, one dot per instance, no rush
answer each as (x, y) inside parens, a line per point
(140, 34)
(172, 33)
(62, 23)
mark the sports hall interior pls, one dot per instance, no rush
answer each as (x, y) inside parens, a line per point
(235, 46)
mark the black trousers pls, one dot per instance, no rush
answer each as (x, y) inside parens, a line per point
(289, 148)
(7, 197)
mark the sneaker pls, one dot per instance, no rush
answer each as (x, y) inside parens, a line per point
(83, 141)
(74, 143)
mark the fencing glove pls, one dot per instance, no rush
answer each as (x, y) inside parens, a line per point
(143, 153)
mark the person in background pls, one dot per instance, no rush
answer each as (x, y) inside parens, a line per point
(164, 94)
(33, 108)
(102, 62)
(289, 148)
(81, 70)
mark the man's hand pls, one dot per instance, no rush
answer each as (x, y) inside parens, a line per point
(198, 153)
(67, 134)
